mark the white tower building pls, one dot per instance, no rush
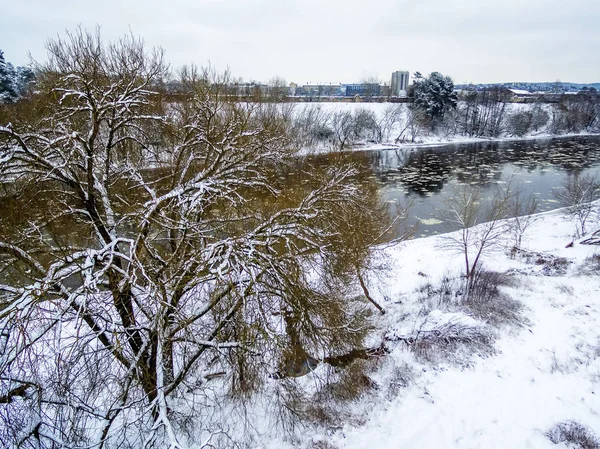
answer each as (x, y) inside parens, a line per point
(399, 83)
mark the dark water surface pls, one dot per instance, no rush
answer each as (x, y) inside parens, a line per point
(427, 177)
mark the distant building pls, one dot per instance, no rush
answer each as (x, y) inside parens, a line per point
(520, 96)
(292, 88)
(319, 90)
(364, 89)
(399, 83)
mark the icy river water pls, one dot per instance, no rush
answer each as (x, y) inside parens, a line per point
(426, 177)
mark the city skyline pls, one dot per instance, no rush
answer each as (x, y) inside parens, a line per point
(336, 41)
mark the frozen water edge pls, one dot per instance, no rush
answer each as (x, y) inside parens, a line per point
(437, 141)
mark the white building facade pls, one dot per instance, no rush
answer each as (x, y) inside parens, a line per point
(399, 83)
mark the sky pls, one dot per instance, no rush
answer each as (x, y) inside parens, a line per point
(479, 41)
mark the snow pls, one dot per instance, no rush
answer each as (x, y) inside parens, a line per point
(543, 373)
(539, 372)
(520, 92)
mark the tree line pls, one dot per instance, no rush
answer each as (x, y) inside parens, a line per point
(440, 111)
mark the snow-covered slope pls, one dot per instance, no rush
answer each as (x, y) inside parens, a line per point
(539, 370)
(544, 371)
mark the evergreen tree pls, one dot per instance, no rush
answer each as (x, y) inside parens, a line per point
(433, 95)
(24, 80)
(8, 91)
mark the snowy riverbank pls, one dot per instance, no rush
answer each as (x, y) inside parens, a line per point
(506, 392)
(326, 127)
(434, 141)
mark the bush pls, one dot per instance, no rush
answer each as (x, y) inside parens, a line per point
(452, 341)
(485, 301)
(519, 123)
(322, 444)
(573, 434)
(593, 263)
(479, 296)
(443, 295)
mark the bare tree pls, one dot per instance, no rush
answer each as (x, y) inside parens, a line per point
(311, 125)
(480, 226)
(277, 89)
(391, 117)
(365, 125)
(371, 87)
(144, 245)
(342, 123)
(577, 195)
(415, 123)
(484, 112)
(539, 115)
(522, 208)
(519, 123)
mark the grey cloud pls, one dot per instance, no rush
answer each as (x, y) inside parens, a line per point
(479, 41)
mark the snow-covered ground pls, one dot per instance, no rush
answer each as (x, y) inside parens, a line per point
(541, 369)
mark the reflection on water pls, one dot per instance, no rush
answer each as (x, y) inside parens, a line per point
(426, 177)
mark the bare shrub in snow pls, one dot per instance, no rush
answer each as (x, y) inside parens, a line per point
(574, 435)
(413, 128)
(580, 112)
(391, 118)
(565, 289)
(543, 264)
(479, 297)
(441, 295)
(483, 112)
(322, 444)
(453, 340)
(522, 208)
(539, 116)
(556, 366)
(366, 126)
(593, 263)
(350, 128)
(311, 125)
(485, 301)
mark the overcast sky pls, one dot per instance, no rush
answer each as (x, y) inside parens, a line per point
(480, 41)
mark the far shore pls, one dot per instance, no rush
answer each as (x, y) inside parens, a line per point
(436, 142)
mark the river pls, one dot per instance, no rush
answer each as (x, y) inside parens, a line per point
(426, 177)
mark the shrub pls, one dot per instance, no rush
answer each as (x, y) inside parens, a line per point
(322, 444)
(446, 336)
(485, 301)
(593, 263)
(439, 296)
(573, 434)
(519, 123)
